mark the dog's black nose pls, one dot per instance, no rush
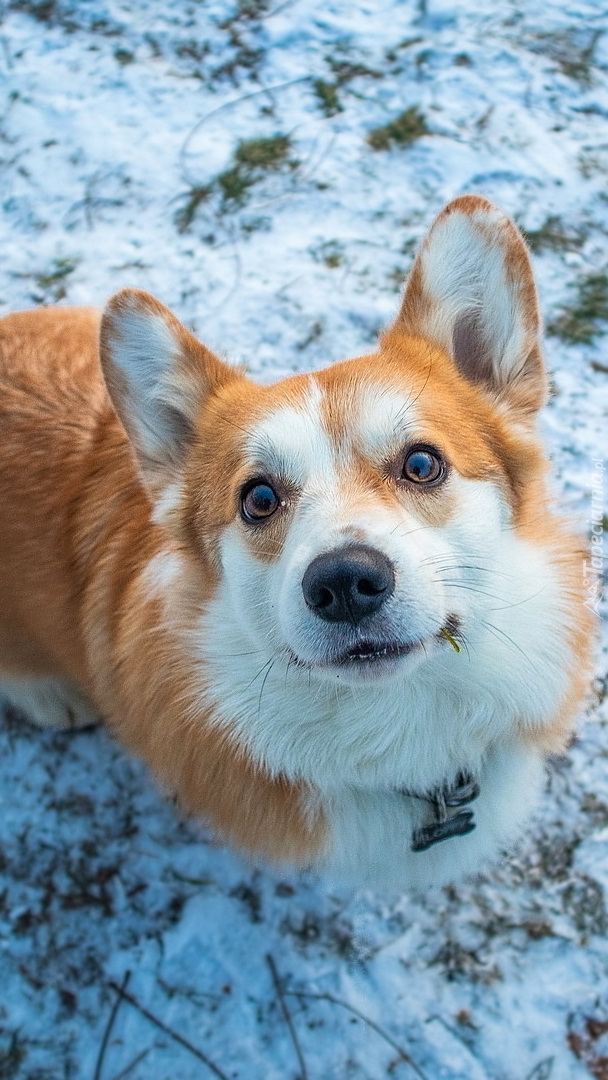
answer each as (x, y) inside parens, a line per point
(347, 584)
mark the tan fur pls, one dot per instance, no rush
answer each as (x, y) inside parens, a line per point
(76, 534)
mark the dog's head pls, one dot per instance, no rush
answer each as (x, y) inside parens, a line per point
(358, 521)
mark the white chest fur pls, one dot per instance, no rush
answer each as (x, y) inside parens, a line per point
(359, 747)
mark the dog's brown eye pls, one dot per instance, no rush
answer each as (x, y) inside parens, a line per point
(258, 502)
(422, 466)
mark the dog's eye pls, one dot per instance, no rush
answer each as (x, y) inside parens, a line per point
(422, 466)
(259, 501)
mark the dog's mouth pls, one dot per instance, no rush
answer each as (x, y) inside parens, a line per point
(377, 652)
(371, 654)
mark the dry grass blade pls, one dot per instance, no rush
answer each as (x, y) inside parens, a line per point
(199, 1054)
(403, 1054)
(278, 985)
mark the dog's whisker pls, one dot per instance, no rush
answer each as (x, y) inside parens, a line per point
(502, 635)
(258, 673)
(410, 532)
(466, 587)
(445, 566)
(264, 681)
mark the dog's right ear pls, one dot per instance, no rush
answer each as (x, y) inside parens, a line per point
(471, 291)
(158, 376)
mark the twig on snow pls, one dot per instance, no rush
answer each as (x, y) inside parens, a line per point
(199, 1054)
(278, 985)
(403, 1054)
(133, 1065)
(110, 1024)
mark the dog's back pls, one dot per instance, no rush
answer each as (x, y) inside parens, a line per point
(65, 462)
(51, 393)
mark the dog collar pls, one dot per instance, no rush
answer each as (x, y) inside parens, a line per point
(443, 800)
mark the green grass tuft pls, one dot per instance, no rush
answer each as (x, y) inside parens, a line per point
(233, 185)
(252, 160)
(344, 71)
(187, 213)
(554, 235)
(42, 10)
(583, 320)
(265, 154)
(124, 57)
(53, 280)
(246, 11)
(402, 131)
(330, 253)
(572, 52)
(328, 97)
(50, 285)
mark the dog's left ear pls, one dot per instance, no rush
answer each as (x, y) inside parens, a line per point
(158, 376)
(471, 291)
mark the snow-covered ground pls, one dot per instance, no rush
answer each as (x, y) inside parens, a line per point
(127, 158)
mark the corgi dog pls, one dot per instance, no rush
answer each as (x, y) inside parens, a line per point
(337, 616)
